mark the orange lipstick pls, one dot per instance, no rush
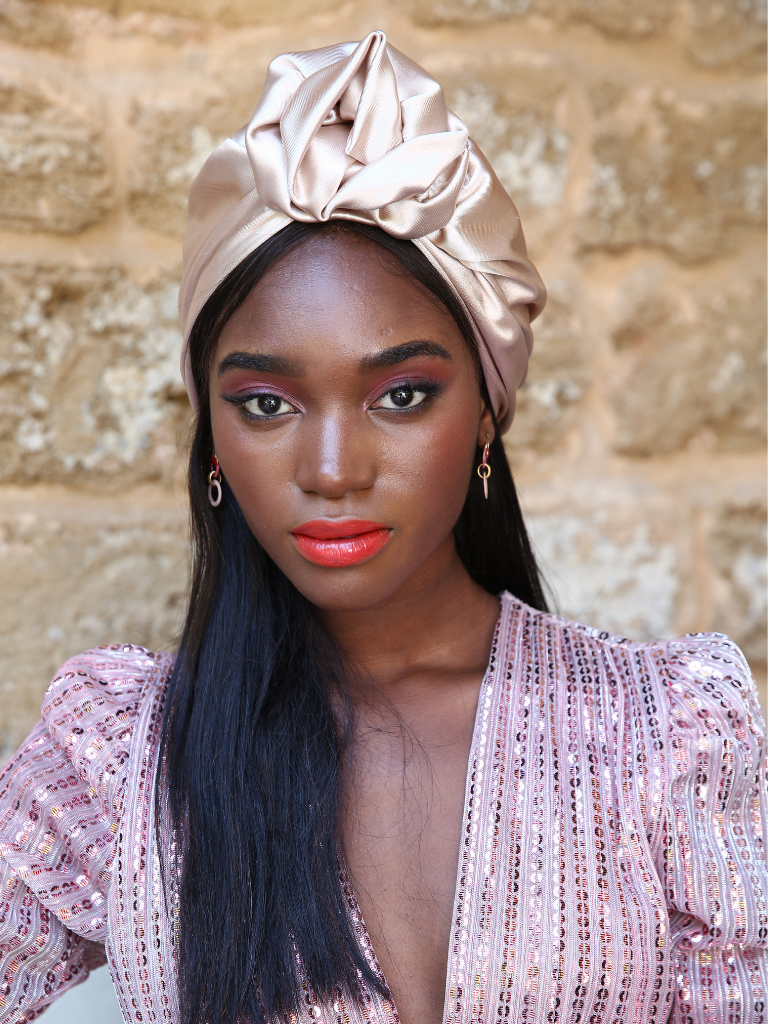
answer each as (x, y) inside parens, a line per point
(338, 543)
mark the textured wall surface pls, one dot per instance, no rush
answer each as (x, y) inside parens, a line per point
(631, 134)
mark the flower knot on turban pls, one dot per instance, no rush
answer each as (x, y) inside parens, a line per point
(359, 132)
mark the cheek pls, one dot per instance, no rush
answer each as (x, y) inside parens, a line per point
(261, 485)
(438, 471)
(254, 470)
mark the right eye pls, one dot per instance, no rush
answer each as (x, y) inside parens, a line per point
(267, 405)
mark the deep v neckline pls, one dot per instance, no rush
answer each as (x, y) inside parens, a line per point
(468, 850)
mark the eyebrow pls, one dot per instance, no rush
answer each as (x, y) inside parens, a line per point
(400, 353)
(260, 363)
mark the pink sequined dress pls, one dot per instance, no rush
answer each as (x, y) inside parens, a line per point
(613, 863)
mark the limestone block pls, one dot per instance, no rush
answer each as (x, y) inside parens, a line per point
(620, 17)
(176, 134)
(89, 380)
(77, 571)
(234, 12)
(433, 13)
(103, 5)
(515, 115)
(623, 558)
(692, 372)
(33, 24)
(614, 17)
(610, 568)
(737, 547)
(727, 32)
(221, 12)
(681, 175)
(53, 174)
(558, 376)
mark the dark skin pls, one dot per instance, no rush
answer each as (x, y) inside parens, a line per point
(342, 388)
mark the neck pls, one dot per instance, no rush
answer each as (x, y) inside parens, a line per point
(439, 617)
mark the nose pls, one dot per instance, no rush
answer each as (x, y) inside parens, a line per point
(337, 458)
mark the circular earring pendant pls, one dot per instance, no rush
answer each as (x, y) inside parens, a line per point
(214, 491)
(214, 482)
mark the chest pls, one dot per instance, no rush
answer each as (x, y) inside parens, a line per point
(402, 834)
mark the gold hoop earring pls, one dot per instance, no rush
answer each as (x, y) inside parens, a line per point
(484, 469)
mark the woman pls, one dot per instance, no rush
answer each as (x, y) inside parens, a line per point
(379, 782)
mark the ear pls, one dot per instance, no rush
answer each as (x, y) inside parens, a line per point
(486, 428)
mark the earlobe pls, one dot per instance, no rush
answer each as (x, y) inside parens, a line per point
(486, 429)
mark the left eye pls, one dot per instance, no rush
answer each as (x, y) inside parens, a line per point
(402, 397)
(267, 405)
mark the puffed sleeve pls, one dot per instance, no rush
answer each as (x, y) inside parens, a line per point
(712, 858)
(60, 802)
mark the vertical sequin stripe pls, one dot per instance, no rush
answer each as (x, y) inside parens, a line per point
(477, 877)
(141, 931)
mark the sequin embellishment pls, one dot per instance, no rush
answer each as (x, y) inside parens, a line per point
(613, 860)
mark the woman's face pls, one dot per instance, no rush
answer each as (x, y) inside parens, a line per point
(346, 417)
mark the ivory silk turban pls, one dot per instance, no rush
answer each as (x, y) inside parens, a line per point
(359, 132)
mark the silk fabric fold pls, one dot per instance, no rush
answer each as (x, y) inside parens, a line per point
(359, 132)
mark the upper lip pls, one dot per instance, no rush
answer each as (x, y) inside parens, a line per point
(337, 529)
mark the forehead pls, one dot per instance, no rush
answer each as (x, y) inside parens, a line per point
(343, 290)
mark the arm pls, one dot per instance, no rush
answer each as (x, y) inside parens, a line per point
(712, 858)
(60, 804)
(40, 957)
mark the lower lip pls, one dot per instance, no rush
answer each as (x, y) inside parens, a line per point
(337, 552)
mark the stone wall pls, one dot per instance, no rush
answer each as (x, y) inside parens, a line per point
(631, 133)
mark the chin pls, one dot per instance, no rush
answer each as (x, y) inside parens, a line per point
(352, 589)
(344, 594)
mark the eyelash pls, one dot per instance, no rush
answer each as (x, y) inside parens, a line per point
(242, 401)
(429, 388)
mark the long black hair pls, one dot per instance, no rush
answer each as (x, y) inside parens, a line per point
(251, 747)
